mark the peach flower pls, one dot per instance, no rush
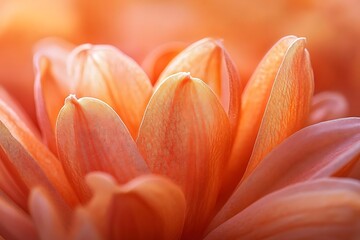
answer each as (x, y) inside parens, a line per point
(193, 155)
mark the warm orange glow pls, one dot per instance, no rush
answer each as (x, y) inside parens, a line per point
(193, 154)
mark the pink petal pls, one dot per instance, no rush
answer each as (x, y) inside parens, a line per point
(208, 60)
(105, 73)
(321, 209)
(49, 220)
(321, 150)
(83, 227)
(185, 135)
(14, 222)
(327, 106)
(90, 137)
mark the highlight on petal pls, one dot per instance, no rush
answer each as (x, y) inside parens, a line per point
(91, 137)
(276, 103)
(49, 220)
(25, 163)
(15, 223)
(327, 106)
(320, 209)
(185, 135)
(208, 60)
(326, 149)
(103, 72)
(148, 207)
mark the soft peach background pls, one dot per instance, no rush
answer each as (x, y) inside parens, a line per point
(248, 28)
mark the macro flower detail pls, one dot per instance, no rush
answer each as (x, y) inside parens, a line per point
(194, 154)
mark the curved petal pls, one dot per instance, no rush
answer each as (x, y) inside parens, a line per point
(26, 163)
(15, 223)
(276, 102)
(185, 135)
(321, 209)
(327, 106)
(148, 207)
(155, 62)
(322, 150)
(208, 60)
(91, 136)
(83, 227)
(49, 220)
(105, 73)
(49, 98)
(7, 100)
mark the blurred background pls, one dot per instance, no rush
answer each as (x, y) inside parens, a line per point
(138, 27)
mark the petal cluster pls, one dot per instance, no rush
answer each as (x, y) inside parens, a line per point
(192, 154)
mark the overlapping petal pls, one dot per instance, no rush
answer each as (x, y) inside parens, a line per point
(10, 216)
(185, 135)
(276, 103)
(322, 150)
(91, 136)
(148, 207)
(106, 73)
(208, 60)
(26, 162)
(321, 209)
(98, 71)
(327, 106)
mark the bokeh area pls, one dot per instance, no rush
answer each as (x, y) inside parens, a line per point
(138, 27)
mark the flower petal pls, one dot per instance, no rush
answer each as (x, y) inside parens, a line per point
(158, 59)
(26, 163)
(105, 73)
(7, 100)
(327, 106)
(318, 151)
(276, 102)
(148, 207)
(14, 222)
(49, 220)
(185, 135)
(321, 209)
(208, 60)
(49, 98)
(90, 137)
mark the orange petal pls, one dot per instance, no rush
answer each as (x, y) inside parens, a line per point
(83, 227)
(208, 60)
(158, 59)
(327, 106)
(185, 135)
(148, 207)
(49, 98)
(105, 73)
(321, 209)
(11, 103)
(276, 102)
(49, 220)
(14, 223)
(322, 150)
(90, 137)
(26, 163)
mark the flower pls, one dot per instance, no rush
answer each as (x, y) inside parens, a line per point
(193, 155)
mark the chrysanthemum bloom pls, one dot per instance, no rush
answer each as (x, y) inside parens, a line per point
(192, 156)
